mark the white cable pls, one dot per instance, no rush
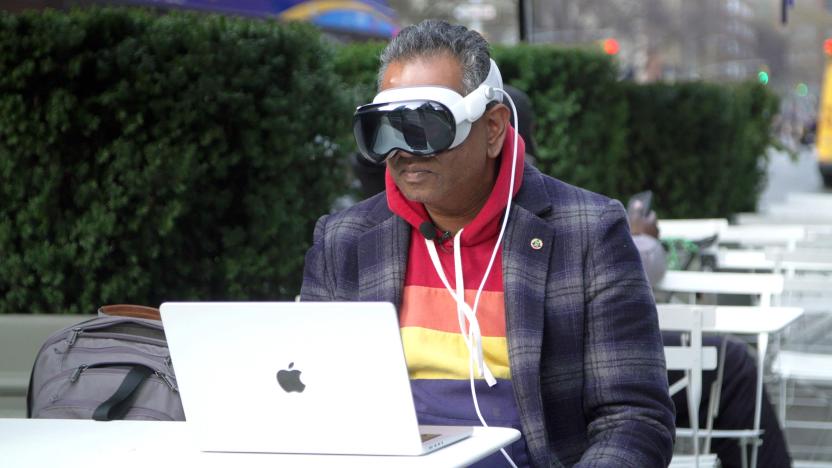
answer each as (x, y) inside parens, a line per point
(473, 338)
(493, 256)
(477, 409)
(508, 202)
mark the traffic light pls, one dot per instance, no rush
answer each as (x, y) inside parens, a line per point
(610, 46)
(762, 76)
(827, 46)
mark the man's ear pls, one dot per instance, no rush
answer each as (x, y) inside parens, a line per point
(497, 125)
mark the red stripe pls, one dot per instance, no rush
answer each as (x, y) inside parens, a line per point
(435, 309)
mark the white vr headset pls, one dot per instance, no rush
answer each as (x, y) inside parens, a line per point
(421, 120)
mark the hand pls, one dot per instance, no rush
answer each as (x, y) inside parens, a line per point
(641, 224)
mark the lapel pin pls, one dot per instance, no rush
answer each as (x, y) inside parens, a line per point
(537, 244)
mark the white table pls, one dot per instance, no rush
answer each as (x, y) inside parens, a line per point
(807, 219)
(764, 285)
(750, 235)
(809, 198)
(750, 320)
(90, 444)
(771, 259)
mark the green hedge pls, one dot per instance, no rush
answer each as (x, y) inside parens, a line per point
(149, 157)
(357, 66)
(581, 113)
(700, 147)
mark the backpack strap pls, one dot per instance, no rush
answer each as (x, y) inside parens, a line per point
(129, 310)
(117, 406)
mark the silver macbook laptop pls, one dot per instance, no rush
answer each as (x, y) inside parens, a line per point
(297, 377)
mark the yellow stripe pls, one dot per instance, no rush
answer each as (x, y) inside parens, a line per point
(433, 354)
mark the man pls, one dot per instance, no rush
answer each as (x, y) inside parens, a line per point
(556, 321)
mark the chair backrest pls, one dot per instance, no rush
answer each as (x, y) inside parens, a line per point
(691, 320)
(743, 259)
(691, 229)
(693, 359)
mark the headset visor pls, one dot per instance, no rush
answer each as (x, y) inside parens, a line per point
(420, 127)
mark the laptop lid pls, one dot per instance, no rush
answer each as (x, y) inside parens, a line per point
(299, 377)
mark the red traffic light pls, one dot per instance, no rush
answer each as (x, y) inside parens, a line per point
(610, 46)
(827, 46)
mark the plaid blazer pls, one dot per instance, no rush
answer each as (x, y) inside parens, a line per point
(585, 352)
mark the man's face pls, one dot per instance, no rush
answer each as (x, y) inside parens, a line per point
(456, 181)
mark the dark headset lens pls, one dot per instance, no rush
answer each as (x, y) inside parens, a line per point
(420, 127)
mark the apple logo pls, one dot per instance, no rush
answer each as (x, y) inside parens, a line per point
(289, 379)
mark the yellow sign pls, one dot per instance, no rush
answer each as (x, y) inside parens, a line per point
(824, 129)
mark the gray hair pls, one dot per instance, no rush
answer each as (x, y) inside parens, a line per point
(435, 37)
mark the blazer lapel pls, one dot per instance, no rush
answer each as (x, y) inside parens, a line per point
(527, 249)
(382, 258)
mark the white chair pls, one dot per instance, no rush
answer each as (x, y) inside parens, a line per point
(813, 292)
(692, 359)
(803, 367)
(691, 229)
(689, 461)
(748, 260)
(744, 320)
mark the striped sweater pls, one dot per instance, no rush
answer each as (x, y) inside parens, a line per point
(437, 357)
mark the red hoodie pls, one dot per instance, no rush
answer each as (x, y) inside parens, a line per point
(436, 354)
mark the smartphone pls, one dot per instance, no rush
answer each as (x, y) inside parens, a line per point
(646, 203)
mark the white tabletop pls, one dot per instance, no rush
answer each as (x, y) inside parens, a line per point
(753, 320)
(750, 320)
(762, 235)
(91, 444)
(800, 198)
(722, 283)
(801, 259)
(809, 366)
(807, 219)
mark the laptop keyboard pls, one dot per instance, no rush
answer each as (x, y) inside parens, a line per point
(427, 437)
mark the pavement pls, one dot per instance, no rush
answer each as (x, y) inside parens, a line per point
(809, 447)
(786, 175)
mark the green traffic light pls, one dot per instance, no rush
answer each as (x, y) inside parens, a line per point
(802, 90)
(763, 77)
